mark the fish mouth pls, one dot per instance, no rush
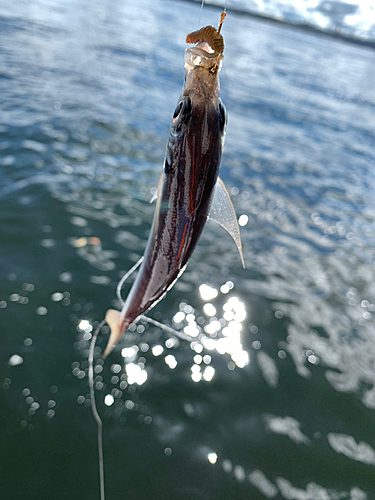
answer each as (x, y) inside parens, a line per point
(205, 47)
(201, 56)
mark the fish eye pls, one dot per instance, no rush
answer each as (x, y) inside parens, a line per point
(178, 109)
(182, 111)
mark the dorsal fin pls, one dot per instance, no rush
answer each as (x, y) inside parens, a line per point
(222, 211)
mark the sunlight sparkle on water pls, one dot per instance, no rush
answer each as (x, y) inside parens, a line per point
(135, 374)
(212, 458)
(209, 309)
(195, 346)
(15, 360)
(233, 329)
(207, 292)
(109, 400)
(41, 311)
(228, 315)
(191, 329)
(85, 326)
(209, 373)
(241, 358)
(243, 220)
(169, 343)
(157, 350)
(57, 296)
(240, 316)
(227, 287)
(178, 317)
(129, 352)
(209, 344)
(213, 327)
(222, 346)
(230, 342)
(171, 361)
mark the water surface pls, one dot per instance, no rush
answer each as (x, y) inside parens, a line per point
(281, 392)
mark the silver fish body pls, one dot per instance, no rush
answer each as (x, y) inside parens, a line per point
(185, 189)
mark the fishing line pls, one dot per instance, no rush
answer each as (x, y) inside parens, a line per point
(201, 9)
(200, 14)
(95, 411)
(91, 371)
(91, 383)
(125, 277)
(166, 328)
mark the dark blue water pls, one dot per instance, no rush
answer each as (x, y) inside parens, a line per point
(280, 392)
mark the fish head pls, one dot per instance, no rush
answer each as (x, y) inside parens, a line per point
(202, 68)
(203, 56)
(199, 104)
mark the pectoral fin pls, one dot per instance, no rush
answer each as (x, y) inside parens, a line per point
(113, 319)
(222, 211)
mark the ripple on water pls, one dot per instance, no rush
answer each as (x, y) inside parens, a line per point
(87, 99)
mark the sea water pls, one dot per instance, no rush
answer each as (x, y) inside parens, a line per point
(277, 400)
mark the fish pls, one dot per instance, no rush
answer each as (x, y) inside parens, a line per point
(189, 189)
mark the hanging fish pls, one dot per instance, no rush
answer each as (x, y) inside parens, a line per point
(189, 190)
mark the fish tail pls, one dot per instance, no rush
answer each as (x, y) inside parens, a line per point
(118, 326)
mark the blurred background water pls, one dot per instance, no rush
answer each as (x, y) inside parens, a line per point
(340, 17)
(275, 397)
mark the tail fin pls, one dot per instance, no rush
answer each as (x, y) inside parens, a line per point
(117, 327)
